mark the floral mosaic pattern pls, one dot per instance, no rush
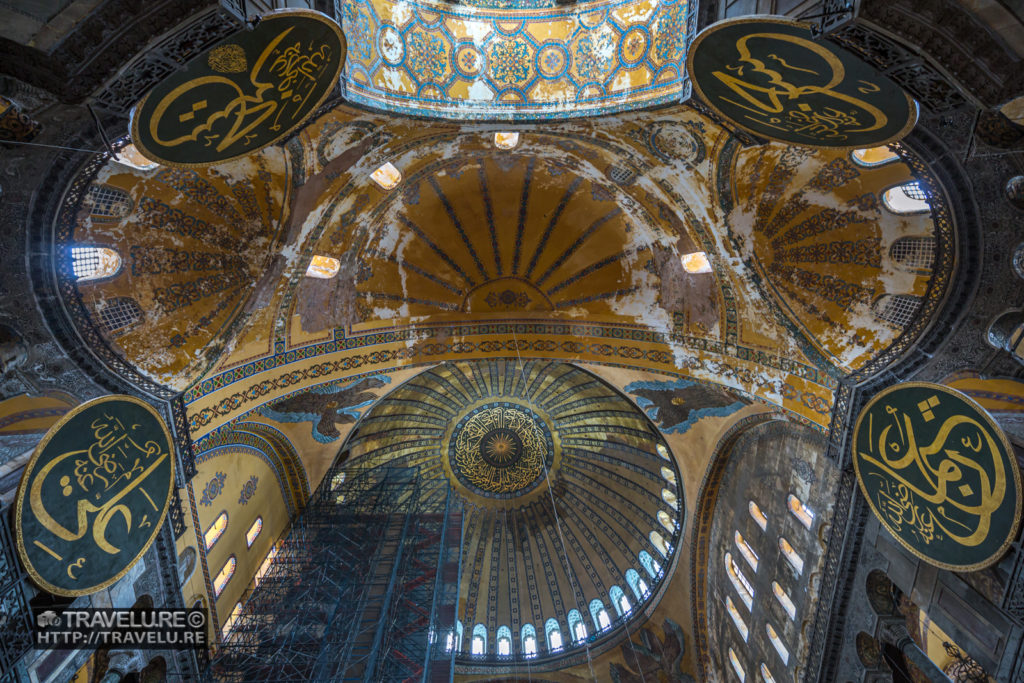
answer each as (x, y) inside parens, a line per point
(515, 59)
(248, 490)
(213, 488)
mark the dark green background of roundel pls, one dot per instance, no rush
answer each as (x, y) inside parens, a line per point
(100, 568)
(715, 47)
(945, 552)
(307, 28)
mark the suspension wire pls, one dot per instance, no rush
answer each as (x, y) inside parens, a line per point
(40, 144)
(573, 584)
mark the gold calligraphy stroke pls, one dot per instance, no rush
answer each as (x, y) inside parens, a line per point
(949, 470)
(780, 88)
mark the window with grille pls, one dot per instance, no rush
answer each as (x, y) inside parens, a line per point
(120, 314)
(897, 309)
(94, 263)
(914, 253)
(874, 156)
(107, 203)
(907, 198)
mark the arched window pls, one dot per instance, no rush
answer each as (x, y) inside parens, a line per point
(766, 674)
(387, 176)
(780, 647)
(736, 666)
(916, 254)
(668, 475)
(758, 516)
(120, 313)
(794, 560)
(658, 541)
(504, 641)
(620, 601)
(696, 262)
(741, 625)
(800, 511)
(666, 521)
(637, 584)
(216, 530)
(553, 634)
(648, 563)
(745, 550)
(478, 645)
(132, 157)
(529, 636)
(265, 565)
(458, 634)
(874, 156)
(224, 575)
(253, 532)
(94, 263)
(784, 600)
(506, 140)
(232, 618)
(670, 498)
(739, 581)
(662, 451)
(600, 615)
(577, 628)
(337, 480)
(323, 267)
(908, 198)
(107, 203)
(897, 309)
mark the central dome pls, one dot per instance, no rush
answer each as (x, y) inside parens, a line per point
(567, 493)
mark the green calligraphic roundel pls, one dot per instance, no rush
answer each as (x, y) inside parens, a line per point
(939, 474)
(771, 77)
(248, 91)
(94, 495)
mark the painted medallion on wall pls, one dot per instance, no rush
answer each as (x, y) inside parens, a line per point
(939, 474)
(94, 495)
(769, 76)
(247, 92)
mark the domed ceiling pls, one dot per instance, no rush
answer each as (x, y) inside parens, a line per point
(570, 496)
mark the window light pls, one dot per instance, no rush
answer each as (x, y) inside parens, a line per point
(478, 645)
(131, 156)
(94, 263)
(387, 176)
(907, 198)
(337, 480)
(766, 674)
(670, 498)
(554, 635)
(874, 156)
(758, 516)
(800, 511)
(741, 625)
(746, 551)
(224, 576)
(232, 618)
(784, 600)
(662, 451)
(216, 530)
(666, 521)
(658, 541)
(506, 140)
(739, 581)
(323, 267)
(697, 262)
(736, 666)
(529, 635)
(777, 642)
(504, 647)
(253, 532)
(794, 560)
(265, 565)
(668, 475)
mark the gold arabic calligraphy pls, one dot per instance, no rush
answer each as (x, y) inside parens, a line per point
(778, 103)
(949, 486)
(110, 468)
(281, 92)
(488, 431)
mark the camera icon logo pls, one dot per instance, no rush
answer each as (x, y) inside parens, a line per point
(48, 618)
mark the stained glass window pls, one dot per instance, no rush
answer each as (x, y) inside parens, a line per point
(800, 511)
(232, 618)
(794, 560)
(253, 532)
(741, 625)
(658, 541)
(387, 176)
(746, 551)
(739, 581)
(907, 198)
(874, 156)
(216, 530)
(94, 263)
(780, 647)
(670, 498)
(323, 267)
(224, 575)
(784, 600)
(759, 517)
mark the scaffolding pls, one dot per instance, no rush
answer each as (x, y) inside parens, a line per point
(359, 590)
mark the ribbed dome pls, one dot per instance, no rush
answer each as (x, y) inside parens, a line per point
(570, 500)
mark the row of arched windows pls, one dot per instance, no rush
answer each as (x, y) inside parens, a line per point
(220, 525)
(745, 591)
(906, 198)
